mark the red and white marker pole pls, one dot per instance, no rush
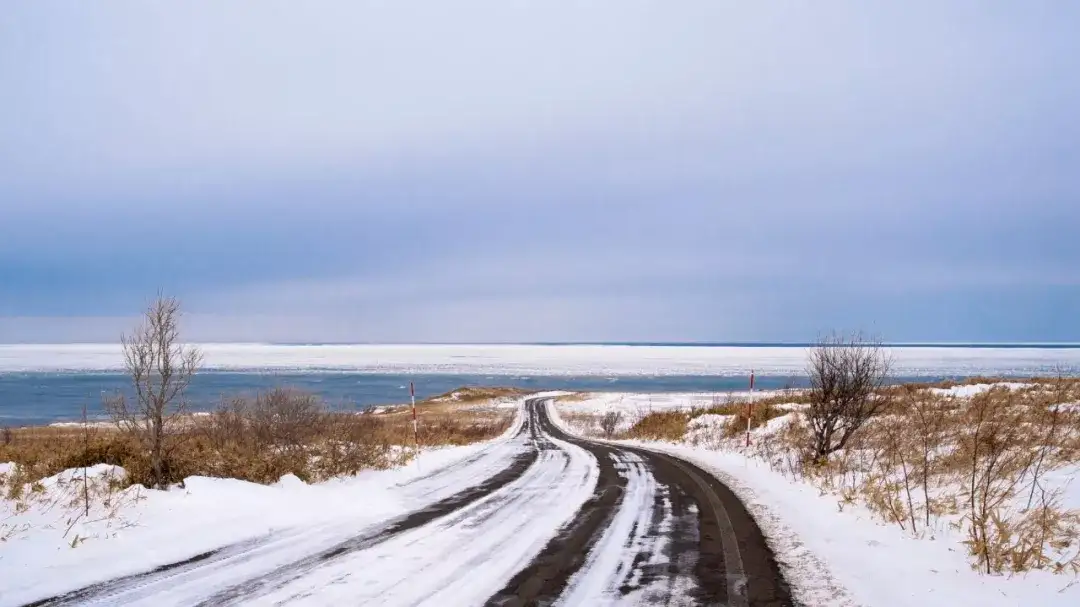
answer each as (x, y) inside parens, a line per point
(750, 408)
(415, 431)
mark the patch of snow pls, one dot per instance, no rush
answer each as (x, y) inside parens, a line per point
(707, 430)
(709, 420)
(971, 390)
(495, 404)
(97, 424)
(642, 404)
(289, 481)
(777, 423)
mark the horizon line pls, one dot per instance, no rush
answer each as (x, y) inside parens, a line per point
(714, 344)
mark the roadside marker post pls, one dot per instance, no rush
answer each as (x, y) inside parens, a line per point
(415, 430)
(750, 408)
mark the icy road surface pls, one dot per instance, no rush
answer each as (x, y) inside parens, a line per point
(541, 518)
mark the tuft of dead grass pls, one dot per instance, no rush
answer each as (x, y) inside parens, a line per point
(660, 425)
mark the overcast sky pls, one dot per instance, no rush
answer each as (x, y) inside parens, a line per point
(541, 171)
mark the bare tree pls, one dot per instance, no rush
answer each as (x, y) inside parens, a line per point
(845, 375)
(610, 422)
(160, 369)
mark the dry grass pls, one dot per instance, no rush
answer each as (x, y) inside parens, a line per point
(673, 425)
(660, 425)
(978, 466)
(471, 396)
(255, 439)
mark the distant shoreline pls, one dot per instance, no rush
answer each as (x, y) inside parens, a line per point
(644, 344)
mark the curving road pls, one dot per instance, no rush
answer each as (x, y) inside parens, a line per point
(541, 518)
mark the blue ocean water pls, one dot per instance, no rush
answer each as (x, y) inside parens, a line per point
(35, 398)
(41, 397)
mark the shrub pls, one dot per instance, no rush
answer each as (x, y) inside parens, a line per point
(846, 374)
(610, 421)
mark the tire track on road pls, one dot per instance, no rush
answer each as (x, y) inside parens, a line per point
(714, 551)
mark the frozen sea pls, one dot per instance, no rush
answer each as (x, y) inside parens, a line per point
(40, 384)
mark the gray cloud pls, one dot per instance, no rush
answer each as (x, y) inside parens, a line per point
(522, 170)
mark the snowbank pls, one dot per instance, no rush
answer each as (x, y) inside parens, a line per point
(710, 420)
(96, 425)
(53, 546)
(708, 429)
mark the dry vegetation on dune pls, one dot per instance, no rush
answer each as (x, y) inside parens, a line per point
(981, 465)
(258, 439)
(991, 463)
(673, 425)
(471, 395)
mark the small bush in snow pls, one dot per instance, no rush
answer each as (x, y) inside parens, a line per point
(609, 422)
(845, 376)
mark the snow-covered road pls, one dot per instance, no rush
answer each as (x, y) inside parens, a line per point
(540, 517)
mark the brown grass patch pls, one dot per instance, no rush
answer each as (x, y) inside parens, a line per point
(661, 425)
(472, 394)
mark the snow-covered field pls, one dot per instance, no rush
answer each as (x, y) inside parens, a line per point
(846, 555)
(605, 360)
